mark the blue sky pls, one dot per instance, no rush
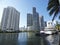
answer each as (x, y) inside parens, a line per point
(24, 7)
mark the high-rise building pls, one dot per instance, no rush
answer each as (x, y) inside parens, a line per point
(29, 19)
(45, 24)
(41, 22)
(35, 19)
(10, 19)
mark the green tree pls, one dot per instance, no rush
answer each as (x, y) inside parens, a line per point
(58, 26)
(53, 8)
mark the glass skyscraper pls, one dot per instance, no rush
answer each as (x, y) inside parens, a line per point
(41, 22)
(29, 19)
(33, 20)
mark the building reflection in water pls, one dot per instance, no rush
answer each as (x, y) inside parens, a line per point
(22, 38)
(8, 39)
(33, 40)
(27, 38)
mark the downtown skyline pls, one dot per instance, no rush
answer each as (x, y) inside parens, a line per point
(24, 7)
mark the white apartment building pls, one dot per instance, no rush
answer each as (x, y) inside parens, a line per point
(10, 19)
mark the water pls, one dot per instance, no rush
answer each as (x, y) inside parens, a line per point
(27, 38)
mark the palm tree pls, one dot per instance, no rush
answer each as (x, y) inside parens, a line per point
(53, 8)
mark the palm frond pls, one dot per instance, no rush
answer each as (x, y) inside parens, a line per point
(52, 10)
(59, 17)
(55, 13)
(50, 6)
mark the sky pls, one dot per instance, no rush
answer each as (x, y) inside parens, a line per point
(24, 7)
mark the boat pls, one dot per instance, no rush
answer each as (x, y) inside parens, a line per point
(42, 32)
(50, 30)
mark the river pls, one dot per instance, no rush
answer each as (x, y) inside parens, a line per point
(28, 38)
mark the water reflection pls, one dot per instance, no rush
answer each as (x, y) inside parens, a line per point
(33, 40)
(27, 38)
(52, 40)
(22, 38)
(8, 39)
